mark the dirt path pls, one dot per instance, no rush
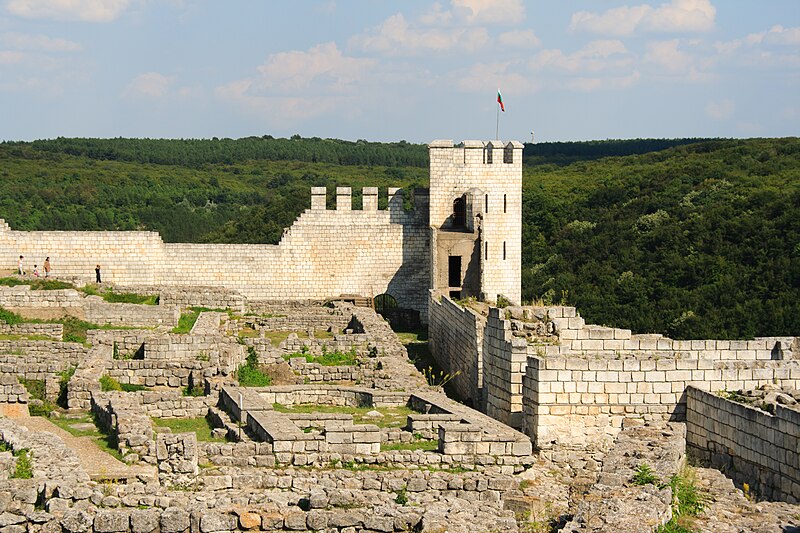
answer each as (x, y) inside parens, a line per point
(99, 464)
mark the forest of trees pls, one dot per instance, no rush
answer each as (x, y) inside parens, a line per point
(687, 237)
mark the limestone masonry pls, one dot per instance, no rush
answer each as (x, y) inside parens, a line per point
(560, 425)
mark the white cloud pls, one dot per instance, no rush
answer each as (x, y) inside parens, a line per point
(667, 56)
(490, 11)
(589, 84)
(486, 77)
(323, 64)
(11, 58)
(777, 35)
(596, 56)
(148, 85)
(84, 10)
(300, 84)
(397, 37)
(720, 109)
(519, 39)
(22, 41)
(677, 16)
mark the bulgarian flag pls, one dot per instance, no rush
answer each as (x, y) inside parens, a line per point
(500, 101)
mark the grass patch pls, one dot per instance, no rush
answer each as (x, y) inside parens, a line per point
(129, 298)
(392, 416)
(105, 441)
(107, 383)
(199, 426)
(74, 328)
(277, 337)
(14, 337)
(37, 284)
(186, 321)
(248, 333)
(426, 445)
(335, 358)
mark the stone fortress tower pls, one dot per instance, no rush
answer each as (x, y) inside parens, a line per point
(476, 219)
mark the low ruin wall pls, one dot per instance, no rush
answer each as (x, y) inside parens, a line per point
(574, 400)
(455, 337)
(748, 444)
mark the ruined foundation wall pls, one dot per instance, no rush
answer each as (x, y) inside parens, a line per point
(455, 336)
(574, 400)
(750, 445)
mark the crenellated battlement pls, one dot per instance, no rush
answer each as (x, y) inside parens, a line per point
(369, 199)
(476, 153)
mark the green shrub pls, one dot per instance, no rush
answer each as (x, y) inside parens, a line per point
(9, 317)
(107, 383)
(249, 376)
(24, 468)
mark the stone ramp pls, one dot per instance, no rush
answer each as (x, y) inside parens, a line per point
(98, 464)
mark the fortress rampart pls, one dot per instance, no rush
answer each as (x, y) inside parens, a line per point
(326, 253)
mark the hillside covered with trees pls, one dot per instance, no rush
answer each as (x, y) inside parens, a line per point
(692, 238)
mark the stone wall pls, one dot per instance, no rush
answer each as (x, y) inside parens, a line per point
(752, 446)
(325, 253)
(13, 397)
(505, 358)
(100, 312)
(54, 331)
(574, 399)
(455, 337)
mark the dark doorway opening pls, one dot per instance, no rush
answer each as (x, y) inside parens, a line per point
(454, 271)
(459, 213)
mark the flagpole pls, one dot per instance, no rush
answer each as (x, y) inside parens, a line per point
(497, 126)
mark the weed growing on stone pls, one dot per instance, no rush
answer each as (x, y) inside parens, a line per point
(645, 476)
(402, 497)
(24, 467)
(439, 379)
(688, 501)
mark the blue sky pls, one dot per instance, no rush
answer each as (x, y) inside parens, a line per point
(414, 70)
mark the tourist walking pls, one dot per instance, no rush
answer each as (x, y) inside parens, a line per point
(19, 265)
(47, 267)
(36, 270)
(97, 274)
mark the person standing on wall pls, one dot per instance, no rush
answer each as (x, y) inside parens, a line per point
(97, 274)
(19, 266)
(47, 267)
